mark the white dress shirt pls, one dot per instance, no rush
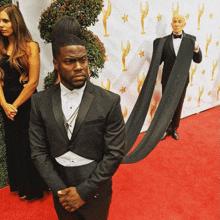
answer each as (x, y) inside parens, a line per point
(177, 43)
(70, 101)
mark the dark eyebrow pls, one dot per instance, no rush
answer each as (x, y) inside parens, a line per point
(5, 19)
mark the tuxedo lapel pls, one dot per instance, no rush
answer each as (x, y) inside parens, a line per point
(185, 45)
(170, 39)
(58, 113)
(83, 108)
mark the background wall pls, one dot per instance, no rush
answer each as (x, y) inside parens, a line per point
(124, 27)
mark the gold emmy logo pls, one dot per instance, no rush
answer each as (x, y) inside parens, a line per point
(177, 9)
(200, 94)
(143, 15)
(193, 70)
(125, 52)
(51, 1)
(106, 14)
(200, 15)
(217, 98)
(125, 112)
(208, 41)
(108, 85)
(214, 65)
(140, 82)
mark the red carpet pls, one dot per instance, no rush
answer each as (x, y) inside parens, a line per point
(179, 180)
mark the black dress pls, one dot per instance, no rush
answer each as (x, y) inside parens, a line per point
(22, 173)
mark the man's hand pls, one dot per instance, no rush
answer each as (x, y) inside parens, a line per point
(70, 199)
(196, 46)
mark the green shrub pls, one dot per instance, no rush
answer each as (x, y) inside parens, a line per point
(3, 2)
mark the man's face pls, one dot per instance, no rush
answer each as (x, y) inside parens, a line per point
(72, 66)
(178, 23)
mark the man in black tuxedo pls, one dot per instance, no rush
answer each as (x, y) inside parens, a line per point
(170, 51)
(77, 135)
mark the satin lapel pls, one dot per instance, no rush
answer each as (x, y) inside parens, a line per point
(83, 108)
(171, 45)
(58, 113)
(184, 46)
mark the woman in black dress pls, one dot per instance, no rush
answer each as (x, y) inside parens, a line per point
(19, 71)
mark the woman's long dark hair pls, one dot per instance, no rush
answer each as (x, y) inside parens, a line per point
(19, 56)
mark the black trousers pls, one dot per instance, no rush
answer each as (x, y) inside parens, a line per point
(174, 124)
(96, 208)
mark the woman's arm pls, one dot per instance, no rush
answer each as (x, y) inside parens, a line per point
(9, 109)
(33, 75)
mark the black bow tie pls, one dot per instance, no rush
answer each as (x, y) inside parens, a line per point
(177, 36)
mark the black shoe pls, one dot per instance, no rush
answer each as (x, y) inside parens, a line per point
(175, 135)
(164, 135)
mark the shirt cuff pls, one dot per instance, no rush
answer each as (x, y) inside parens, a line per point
(196, 50)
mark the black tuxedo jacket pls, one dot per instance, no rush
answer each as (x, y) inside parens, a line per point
(99, 134)
(169, 56)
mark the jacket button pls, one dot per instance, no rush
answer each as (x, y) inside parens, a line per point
(96, 196)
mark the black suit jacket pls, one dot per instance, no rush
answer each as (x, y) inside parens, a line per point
(99, 134)
(169, 56)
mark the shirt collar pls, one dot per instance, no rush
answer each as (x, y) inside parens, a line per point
(64, 90)
(178, 34)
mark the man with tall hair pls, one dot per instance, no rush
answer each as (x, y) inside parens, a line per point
(77, 135)
(173, 43)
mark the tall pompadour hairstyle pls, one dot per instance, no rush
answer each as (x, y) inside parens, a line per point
(67, 25)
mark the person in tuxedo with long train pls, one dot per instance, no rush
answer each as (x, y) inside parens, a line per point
(176, 51)
(173, 43)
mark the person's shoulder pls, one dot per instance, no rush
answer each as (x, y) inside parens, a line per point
(190, 36)
(33, 47)
(160, 38)
(157, 40)
(104, 92)
(45, 94)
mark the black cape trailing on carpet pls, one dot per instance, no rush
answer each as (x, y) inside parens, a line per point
(167, 105)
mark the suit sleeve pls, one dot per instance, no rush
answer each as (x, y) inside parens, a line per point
(40, 151)
(197, 57)
(114, 151)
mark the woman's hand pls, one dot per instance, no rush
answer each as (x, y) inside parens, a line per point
(10, 111)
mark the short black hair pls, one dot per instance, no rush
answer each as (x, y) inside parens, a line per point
(65, 40)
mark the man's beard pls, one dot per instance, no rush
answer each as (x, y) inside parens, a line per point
(80, 86)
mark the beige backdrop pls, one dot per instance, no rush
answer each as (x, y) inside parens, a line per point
(127, 28)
